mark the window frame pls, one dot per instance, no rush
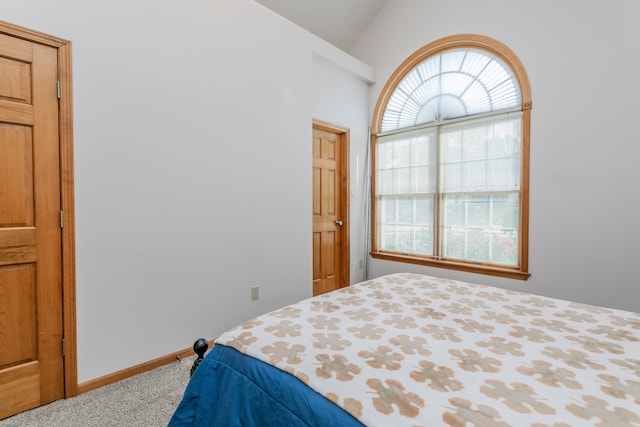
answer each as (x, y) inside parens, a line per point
(437, 47)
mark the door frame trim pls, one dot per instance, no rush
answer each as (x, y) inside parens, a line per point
(343, 132)
(65, 129)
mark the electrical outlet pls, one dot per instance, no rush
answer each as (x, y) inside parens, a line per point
(255, 293)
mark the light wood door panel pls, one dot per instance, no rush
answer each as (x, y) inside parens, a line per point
(16, 175)
(330, 239)
(18, 327)
(31, 324)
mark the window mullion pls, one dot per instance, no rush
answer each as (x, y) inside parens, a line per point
(466, 227)
(491, 236)
(437, 201)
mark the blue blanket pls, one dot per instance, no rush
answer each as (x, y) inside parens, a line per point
(231, 389)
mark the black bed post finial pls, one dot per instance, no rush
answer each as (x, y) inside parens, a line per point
(200, 347)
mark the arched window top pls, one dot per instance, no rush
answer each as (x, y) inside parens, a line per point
(456, 83)
(453, 77)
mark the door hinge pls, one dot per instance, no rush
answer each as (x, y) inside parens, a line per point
(58, 88)
(61, 219)
(64, 347)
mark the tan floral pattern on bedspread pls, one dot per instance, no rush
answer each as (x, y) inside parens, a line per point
(413, 350)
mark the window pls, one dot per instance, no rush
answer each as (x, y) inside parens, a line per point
(451, 159)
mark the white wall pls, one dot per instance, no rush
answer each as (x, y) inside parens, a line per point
(582, 61)
(192, 166)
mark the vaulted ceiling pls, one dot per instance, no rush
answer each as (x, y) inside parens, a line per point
(340, 22)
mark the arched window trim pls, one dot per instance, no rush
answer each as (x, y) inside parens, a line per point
(505, 54)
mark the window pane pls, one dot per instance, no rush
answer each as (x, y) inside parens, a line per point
(424, 149)
(479, 211)
(424, 241)
(481, 155)
(455, 242)
(425, 177)
(402, 181)
(478, 245)
(506, 211)
(385, 181)
(406, 224)
(505, 247)
(387, 210)
(424, 211)
(482, 228)
(388, 237)
(403, 239)
(455, 211)
(402, 152)
(406, 163)
(405, 210)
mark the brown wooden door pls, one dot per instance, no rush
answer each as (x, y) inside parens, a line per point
(330, 207)
(31, 324)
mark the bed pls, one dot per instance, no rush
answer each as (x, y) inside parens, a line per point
(415, 350)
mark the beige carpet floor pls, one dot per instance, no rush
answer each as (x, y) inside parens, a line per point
(147, 399)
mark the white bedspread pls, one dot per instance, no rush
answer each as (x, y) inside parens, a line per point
(413, 350)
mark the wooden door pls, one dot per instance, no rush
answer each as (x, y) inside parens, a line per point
(330, 208)
(31, 323)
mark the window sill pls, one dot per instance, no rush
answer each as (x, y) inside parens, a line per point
(492, 270)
